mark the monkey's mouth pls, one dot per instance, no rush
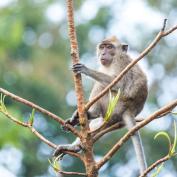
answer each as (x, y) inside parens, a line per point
(104, 61)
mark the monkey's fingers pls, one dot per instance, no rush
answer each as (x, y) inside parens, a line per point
(78, 68)
(77, 65)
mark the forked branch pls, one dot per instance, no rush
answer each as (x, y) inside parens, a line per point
(37, 134)
(33, 130)
(40, 109)
(154, 165)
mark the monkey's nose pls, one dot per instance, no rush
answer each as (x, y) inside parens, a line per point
(103, 53)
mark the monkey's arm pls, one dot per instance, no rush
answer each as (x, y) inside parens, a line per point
(104, 79)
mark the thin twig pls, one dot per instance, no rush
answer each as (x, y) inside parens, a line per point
(40, 109)
(104, 131)
(98, 133)
(41, 137)
(33, 130)
(71, 173)
(131, 132)
(155, 165)
(37, 134)
(77, 155)
(169, 31)
(128, 67)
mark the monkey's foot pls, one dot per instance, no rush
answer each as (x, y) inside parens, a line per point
(74, 120)
(64, 128)
(60, 150)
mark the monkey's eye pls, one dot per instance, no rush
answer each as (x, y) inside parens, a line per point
(109, 46)
(101, 47)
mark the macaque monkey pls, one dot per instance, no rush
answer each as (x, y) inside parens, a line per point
(133, 87)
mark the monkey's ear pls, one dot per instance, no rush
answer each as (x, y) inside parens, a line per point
(125, 47)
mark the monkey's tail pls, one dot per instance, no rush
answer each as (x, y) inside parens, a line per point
(137, 143)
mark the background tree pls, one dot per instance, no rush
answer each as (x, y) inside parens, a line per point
(34, 54)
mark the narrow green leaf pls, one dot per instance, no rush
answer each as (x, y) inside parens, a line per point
(54, 164)
(31, 118)
(2, 103)
(164, 134)
(111, 105)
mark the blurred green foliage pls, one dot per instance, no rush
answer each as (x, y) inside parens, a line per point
(34, 63)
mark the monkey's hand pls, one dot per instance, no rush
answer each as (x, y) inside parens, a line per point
(80, 68)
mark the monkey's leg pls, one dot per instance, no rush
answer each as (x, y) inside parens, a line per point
(136, 139)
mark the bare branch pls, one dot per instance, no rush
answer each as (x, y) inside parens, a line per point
(170, 31)
(162, 160)
(131, 132)
(41, 137)
(72, 173)
(98, 135)
(14, 119)
(86, 139)
(33, 130)
(77, 155)
(75, 59)
(143, 54)
(36, 133)
(40, 109)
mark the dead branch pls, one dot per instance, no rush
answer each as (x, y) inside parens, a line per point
(131, 132)
(160, 35)
(40, 109)
(162, 160)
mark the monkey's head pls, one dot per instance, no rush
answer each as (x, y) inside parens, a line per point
(109, 50)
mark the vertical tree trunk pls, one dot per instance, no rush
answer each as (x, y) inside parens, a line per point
(86, 138)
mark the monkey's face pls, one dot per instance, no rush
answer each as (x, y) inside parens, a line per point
(106, 53)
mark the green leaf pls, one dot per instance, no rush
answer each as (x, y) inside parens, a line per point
(111, 105)
(31, 118)
(55, 165)
(2, 103)
(164, 134)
